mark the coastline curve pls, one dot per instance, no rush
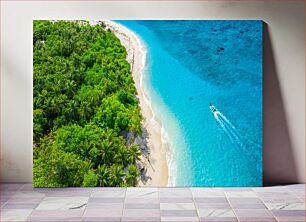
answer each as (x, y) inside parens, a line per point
(158, 164)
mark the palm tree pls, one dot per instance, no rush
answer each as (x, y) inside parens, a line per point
(104, 175)
(134, 153)
(121, 155)
(131, 178)
(116, 176)
(106, 151)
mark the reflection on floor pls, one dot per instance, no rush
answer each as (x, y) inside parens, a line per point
(22, 202)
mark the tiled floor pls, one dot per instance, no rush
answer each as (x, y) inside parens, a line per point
(21, 202)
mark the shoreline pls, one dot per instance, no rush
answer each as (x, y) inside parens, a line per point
(153, 161)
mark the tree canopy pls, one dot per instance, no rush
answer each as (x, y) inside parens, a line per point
(84, 98)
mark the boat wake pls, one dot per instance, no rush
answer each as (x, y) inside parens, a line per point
(231, 131)
(241, 141)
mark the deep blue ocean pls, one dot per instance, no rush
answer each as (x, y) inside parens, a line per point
(190, 65)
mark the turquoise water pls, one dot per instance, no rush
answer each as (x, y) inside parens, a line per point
(191, 64)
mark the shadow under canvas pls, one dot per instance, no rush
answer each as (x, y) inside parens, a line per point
(278, 160)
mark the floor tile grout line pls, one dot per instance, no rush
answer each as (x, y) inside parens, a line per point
(292, 192)
(230, 205)
(123, 207)
(266, 206)
(90, 193)
(36, 206)
(198, 214)
(5, 202)
(26, 219)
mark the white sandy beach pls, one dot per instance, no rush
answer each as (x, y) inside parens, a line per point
(155, 164)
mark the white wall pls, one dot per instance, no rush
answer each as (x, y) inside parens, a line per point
(284, 79)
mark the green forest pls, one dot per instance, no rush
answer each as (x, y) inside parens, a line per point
(84, 105)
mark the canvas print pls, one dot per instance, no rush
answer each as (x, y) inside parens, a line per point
(147, 103)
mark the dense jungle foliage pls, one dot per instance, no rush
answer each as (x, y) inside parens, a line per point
(84, 100)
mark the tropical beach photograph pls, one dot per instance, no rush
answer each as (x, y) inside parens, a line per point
(133, 103)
